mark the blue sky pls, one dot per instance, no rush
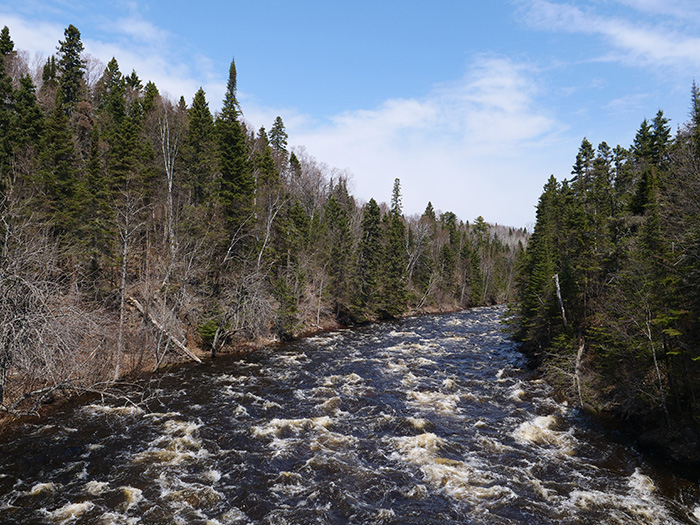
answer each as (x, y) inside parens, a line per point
(472, 104)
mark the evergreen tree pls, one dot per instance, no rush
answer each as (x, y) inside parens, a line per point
(583, 167)
(7, 46)
(237, 184)
(661, 139)
(49, 75)
(6, 121)
(643, 148)
(199, 151)
(394, 295)
(27, 126)
(278, 136)
(429, 212)
(369, 260)
(59, 172)
(71, 68)
(336, 223)
(98, 213)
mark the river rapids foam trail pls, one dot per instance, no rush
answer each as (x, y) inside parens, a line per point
(430, 420)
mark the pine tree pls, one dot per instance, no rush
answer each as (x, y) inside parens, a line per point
(71, 68)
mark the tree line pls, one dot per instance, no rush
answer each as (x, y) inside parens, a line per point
(135, 228)
(609, 286)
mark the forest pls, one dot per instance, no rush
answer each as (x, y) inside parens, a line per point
(609, 286)
(137, 231)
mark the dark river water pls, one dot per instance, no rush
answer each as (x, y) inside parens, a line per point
(431, 420)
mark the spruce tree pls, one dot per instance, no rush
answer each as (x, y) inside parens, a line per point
(28, 124)
(643, 148)
(6, 121)
(59, 172)
(338, 243)
(7, 46)
(199, 159)
(71, 68)
(394, 295)
(369, 259)
(278, 136)
(237, 185)
(661, 139)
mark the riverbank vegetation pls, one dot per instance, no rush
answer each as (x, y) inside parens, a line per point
(609, 287)
(136, 230)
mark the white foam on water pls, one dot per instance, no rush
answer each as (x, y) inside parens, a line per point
(624, 508)
(433, 400)
(457, 479)
(539, 431)
(183, 496)
(341, 380)
(641, 483)
(291, 359)
(449, 384)
(409, 380)
(114, 518)
(211, 475)
(277, 426)
(398, 333)
(96, 487)
(398, 367)
(125, 411)
(40, 488)
(162, 415)
(70, 511)
(492, 445)
(331, 405)
(290, 484)
(418, 422)
(517, 393)
(132, 496)
(234, 515)
(384, 514)
(177, 444)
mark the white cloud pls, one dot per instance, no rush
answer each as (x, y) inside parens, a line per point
(34, 37)
(633, 41)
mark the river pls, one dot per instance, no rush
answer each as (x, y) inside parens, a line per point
(434, 419)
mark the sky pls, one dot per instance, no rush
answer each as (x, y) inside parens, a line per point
(471, 104)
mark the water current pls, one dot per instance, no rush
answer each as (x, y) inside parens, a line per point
(433, 419)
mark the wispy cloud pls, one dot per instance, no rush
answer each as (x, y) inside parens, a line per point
(660, 43)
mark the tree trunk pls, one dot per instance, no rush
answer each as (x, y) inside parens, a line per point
(178, 344)
(561, 303)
